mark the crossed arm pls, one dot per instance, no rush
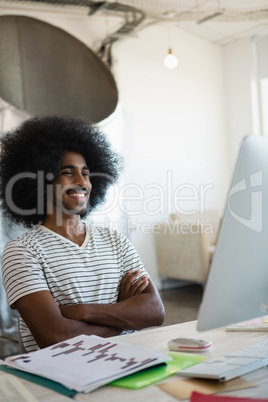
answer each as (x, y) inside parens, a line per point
(138, 306)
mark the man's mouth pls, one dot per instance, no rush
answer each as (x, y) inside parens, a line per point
(78, 195)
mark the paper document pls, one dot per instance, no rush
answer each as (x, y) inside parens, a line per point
(86, 362)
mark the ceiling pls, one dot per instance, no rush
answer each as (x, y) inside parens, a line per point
(218, 21)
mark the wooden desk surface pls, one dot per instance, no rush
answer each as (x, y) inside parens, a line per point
(157, 338)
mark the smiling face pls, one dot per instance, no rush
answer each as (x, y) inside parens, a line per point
(72, 187)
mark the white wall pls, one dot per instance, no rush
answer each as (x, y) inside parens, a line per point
(179, 134)
(239, 79)
(175, 128)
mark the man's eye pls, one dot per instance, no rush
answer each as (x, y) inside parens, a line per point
(66, 172)
(86, 174)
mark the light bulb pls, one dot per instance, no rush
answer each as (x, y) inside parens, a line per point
(170, 60)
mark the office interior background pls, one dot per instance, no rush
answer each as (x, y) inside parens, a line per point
(179, 130)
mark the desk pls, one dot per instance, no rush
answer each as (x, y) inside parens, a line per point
(157, 338)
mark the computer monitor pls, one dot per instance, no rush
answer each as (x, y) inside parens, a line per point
(237, 286)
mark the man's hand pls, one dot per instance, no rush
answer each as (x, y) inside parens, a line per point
(131, 286)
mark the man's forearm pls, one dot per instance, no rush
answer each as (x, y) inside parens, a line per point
(137, 312)
(93, 329)
(47, 324)
(69, 328)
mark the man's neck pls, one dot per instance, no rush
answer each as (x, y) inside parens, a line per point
(72, 228)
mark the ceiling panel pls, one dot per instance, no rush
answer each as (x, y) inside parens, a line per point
(224, 21)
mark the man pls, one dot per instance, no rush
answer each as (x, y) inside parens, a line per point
(64, 276)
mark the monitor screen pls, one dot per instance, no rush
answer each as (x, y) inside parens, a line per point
(237, 286)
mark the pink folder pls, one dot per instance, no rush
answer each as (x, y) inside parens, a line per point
(197, 397)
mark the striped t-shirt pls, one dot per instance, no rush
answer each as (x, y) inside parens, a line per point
(41, 259)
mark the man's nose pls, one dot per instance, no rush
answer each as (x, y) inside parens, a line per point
(80, 179)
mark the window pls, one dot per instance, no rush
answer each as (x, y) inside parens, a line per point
(261, 73)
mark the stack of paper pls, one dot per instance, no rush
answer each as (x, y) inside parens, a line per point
(85, 363)
(256, 324)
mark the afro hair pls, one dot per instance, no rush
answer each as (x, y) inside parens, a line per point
(38, 145)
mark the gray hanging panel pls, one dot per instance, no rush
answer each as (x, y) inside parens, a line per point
(44, 70)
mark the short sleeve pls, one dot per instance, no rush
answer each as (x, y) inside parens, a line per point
(22, 273)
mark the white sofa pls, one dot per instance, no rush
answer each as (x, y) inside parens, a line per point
(184, 246)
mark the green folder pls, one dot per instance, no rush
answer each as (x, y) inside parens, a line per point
(153, 374)
(36, 379)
